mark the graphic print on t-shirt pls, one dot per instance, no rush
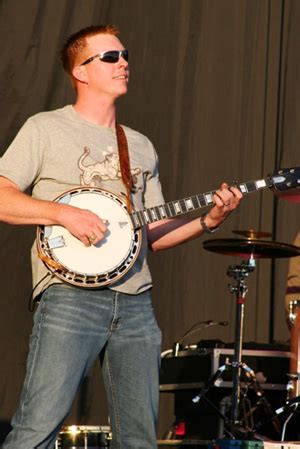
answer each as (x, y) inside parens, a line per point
(106, 170)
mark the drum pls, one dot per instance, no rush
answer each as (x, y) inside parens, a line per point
(294, 321)
(83, 437)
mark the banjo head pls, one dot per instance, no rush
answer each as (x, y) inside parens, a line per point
(96, 265)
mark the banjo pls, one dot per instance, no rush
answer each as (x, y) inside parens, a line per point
(107, 262)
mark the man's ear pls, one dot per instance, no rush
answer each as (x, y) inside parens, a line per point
(79, 73)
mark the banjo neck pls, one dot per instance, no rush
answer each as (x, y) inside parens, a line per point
(281, 180)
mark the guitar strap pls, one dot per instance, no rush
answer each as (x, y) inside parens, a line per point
(124, 164)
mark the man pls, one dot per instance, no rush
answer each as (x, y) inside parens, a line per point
(54, 152)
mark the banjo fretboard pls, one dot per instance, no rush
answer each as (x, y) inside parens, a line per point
(178, 207)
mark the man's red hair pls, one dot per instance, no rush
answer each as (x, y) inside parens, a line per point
(77, 42)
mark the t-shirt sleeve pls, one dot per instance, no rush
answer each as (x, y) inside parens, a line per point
(153, 195)
(22, 160)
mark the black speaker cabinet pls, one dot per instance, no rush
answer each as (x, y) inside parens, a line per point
(193, 368)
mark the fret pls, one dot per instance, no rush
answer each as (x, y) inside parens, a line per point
(162, 211)
(201, 200)
(157, 211)
(260, 184)
(195, 202)
(135, 220)
(141, 217)
(243, 188)
(147, 216)
(168, 210)
(183, 206)
(189, 204)
(172, 209)
(177, 207)
(150, 215)
(208, 198)
(251, 186)
(153, 213)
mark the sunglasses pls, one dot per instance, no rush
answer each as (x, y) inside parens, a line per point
(111, 56)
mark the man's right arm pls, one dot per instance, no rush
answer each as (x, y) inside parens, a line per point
(18, 208)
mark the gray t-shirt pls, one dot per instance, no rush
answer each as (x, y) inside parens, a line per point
(59, 150)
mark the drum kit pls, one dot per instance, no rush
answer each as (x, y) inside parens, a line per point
(251, 247)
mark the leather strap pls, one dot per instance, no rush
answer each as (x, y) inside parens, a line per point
(124, 164)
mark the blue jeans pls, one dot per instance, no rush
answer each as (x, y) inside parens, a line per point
(71, 327)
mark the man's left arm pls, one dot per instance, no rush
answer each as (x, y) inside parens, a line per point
(168, 233)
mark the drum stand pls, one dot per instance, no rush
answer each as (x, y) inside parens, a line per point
(239, 273)
(251, 245)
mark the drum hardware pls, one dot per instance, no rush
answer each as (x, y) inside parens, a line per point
(83, 437)
(293, 388)
(290, 407)
(252, 234)
(293, 311)
(253, 249)
(239, 273)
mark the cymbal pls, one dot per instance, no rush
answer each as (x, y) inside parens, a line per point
(257, 248)
(251, 234)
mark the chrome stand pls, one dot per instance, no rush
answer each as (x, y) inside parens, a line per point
(239, 273)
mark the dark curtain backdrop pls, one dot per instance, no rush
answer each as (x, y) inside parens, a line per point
(215, 85)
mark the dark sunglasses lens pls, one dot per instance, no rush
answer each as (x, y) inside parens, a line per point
(125, 55)
(113, 56)
(110, 56)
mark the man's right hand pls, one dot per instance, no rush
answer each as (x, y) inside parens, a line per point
(83, 224)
